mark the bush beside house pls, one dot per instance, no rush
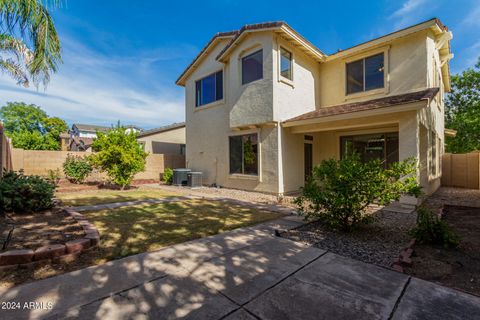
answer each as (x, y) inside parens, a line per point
(340, 191)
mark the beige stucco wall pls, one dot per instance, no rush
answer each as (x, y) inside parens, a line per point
(267, 102)
(301, 95)
(405, 58)
(39, 162)
(250, 103)
(177, 135)
(208, 127)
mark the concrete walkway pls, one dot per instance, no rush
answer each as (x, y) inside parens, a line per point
(243, 274)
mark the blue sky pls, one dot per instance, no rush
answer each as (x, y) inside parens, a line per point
(121, 58)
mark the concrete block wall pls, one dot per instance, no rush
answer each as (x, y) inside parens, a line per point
(39, 162)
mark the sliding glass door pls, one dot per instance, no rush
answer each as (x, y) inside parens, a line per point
(383, 146)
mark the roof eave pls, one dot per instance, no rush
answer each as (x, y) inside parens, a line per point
(283, 28)
(429, 24)
(198, 59)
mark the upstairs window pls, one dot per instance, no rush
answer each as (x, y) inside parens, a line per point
(252, 67)
(244, 154)
(286, 64)
(209, 89)
(365, 74)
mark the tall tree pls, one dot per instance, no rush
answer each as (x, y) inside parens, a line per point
(29, 45)
(119, 154)
(30, 127)
(462, 111)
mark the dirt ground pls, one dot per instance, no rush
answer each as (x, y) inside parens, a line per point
(456, 268)
(40, 229)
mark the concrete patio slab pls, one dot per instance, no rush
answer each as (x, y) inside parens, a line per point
(166, 298)
(332, 287)
(244, 274)
(240, 314)
(426, 300)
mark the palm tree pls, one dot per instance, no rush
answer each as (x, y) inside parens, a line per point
(29, 44)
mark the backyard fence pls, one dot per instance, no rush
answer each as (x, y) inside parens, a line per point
(461, 170)
(39, 162)
(5, 151)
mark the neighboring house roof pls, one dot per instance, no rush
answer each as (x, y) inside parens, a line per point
(286, 31)
(90, 127)
(161, 129)
(94, 128)
(367, 105)
(81, 143)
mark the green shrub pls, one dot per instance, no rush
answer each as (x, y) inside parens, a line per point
(431, 229)
(76, 168)
(340, 191)
(119, 154)
(168, 175)
(54, 176)
(23, 194)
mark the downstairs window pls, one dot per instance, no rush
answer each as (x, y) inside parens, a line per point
(244, 154)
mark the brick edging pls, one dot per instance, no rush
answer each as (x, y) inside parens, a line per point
(26, 258)
(405, 257)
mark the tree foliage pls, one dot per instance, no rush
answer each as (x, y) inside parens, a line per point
(29, 45)
(462, 111)
(30, 127)
(118, 154)
(340, 191)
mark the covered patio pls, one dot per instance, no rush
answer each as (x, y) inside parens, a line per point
(391, 129)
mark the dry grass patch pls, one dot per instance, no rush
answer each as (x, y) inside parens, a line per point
(135, 229)
(130, 230)
(87, 198)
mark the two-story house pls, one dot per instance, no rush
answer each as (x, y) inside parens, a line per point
(264, 105)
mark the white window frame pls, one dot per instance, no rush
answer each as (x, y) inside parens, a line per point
(258, 176)
(281, 78)
(386, 73)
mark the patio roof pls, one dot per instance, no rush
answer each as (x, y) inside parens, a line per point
(391, 101)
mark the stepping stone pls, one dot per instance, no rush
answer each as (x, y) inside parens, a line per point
(426, 300)
(332, 287)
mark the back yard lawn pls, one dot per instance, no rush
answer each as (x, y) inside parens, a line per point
(130, 230)
(86, 198)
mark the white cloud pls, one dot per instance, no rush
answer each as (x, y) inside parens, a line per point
(408, 13)
(473, 18)
(102, 89)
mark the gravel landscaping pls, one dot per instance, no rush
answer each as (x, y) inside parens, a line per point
(379, 243)
(241, 195)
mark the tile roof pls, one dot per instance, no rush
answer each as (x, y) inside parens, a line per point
(368, 105)
(91, 127)
(161, 129)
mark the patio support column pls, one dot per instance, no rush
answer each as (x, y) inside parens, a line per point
(409, 146)
(281, 186)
